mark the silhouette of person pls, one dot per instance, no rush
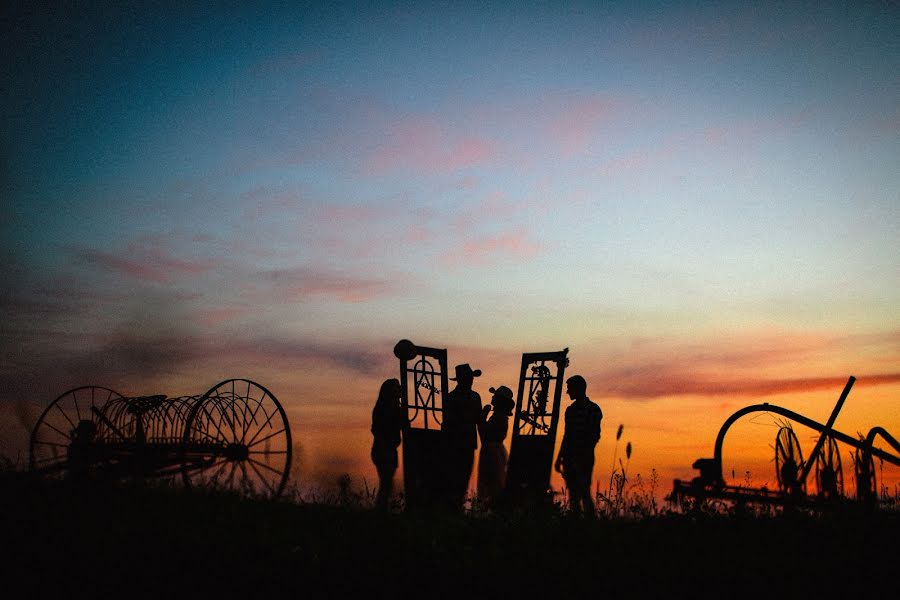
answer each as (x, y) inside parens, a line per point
(576, 452)
(462, 412)
(387, 421)
(492, 457)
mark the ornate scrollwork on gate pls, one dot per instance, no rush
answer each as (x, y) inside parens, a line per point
(537, 416)
(423, 377)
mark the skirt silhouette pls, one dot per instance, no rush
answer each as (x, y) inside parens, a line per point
(491, 470)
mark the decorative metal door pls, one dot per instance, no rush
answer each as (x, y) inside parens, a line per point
(534, 429)
(423, 385)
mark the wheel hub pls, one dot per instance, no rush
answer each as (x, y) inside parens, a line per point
(237, 452)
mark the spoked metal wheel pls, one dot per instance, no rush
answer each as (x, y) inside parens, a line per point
(788, 462)
(829, 474)
(864, 470)
(67, 437)
(237, 438)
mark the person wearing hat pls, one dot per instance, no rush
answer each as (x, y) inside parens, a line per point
(462, 412)
(492, 457)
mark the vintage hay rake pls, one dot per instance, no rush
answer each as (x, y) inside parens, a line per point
(236, 437)
(791, 470)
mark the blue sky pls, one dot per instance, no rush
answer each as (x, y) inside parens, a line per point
(326, 181)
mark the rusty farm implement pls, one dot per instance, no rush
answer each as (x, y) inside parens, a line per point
(236, 436)
(794, 473)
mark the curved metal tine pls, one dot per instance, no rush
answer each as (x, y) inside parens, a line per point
(268, 420)
(240, 414)
(211, 420)
(185, 411)
(234, 413)
(230, 405)
(180, 409)
(151, 423)
(202, 425)
(219, 401)
(246, 424)
(212, 430)
(255, 412)
(114, 417)
(222, 398)
(251, 426)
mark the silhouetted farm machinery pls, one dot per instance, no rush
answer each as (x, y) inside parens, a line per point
(792, 471)
(236, 437)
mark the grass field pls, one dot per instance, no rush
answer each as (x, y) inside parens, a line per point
(139, 541)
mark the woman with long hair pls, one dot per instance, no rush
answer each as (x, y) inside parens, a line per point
(387, 421)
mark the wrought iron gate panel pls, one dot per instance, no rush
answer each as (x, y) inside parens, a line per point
(423, 385)
(536, 421)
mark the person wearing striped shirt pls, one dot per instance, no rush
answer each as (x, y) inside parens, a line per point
(575, 460)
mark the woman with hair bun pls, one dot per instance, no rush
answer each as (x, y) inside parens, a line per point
(493, 455)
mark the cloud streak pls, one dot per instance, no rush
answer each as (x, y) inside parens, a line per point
(575, 127)
(483, 250)
(737, 367)
(304, 283)
(151, 264)
(650, 382)
(424, 147)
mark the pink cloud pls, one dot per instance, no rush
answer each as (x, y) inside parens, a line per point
(575, 127)
(492, 207)
(357, 231)
(425, 147)
(481, 250)
(352, 215)
(134, 269)
(299, 284)
(143, 261)
(214, 317)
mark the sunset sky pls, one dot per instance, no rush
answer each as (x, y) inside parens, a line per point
(699, 201)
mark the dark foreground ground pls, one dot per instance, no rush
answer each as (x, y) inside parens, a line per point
(129, 542)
